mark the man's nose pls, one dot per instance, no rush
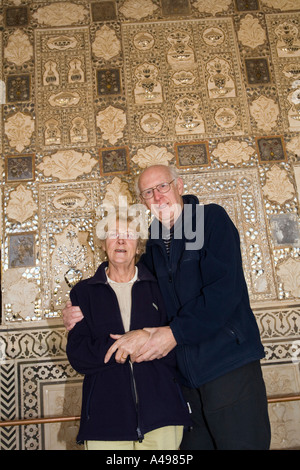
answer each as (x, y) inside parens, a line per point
(156, 195)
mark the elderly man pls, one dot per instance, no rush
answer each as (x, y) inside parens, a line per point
(211, 323)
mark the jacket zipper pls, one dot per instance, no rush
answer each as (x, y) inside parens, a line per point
(89, 399)
(136, 401)
(133, 382)
(171, 280)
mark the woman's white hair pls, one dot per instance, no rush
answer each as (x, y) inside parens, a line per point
(137, 223)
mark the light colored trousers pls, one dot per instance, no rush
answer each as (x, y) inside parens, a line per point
(166, 438)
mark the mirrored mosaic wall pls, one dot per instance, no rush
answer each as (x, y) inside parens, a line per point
(91, 93)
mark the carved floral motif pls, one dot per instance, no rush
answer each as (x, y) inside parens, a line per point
(60, 14)
(283, 4)
(106, 44)
(19, 293)
(251, 33)
(111, 121)
(67, 165)
(294, 145)
(233, 151)
(265, 112)
(137, 9)
(117, 191)
(19, 129)
(18, 49)
(72, 259)
(152, 155)
(21, 205)
(212, 7)
(278, 187)
(289, 273)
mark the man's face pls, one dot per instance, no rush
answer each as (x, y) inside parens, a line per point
(164, 206)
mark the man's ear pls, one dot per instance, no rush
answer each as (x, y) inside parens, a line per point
(180, 185)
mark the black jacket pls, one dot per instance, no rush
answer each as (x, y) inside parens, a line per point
(120, 402)
(206, 295)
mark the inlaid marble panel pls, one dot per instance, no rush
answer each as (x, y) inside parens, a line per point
(238, 191)
(284, 34)
(64, 95)
(61, 398)
(190, 91)
(67, 240)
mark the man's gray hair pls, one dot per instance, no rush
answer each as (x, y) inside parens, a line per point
(172, 171)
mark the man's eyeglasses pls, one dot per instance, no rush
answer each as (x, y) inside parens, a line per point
(161, 188)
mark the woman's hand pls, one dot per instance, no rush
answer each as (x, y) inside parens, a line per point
(71, 315)
(142, 345)
(126, 345)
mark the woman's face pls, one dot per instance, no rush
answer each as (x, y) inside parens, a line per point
(121, 245)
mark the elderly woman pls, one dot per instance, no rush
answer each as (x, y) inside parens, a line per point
(125, 405)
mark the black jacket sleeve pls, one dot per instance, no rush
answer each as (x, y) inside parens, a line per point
(223, 282)
(85, 352)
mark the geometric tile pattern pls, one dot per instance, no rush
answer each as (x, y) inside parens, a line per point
(8, 405)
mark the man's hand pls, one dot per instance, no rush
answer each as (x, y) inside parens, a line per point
(142, 345)
(160, 343)
(126, 345)
(71, 315)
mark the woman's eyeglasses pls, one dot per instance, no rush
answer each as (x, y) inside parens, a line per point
(114, 235)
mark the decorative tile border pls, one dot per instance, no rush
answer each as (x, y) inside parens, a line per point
(37, 380)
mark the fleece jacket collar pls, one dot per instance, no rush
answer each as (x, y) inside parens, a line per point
(100, 275)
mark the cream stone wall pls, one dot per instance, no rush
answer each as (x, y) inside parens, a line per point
(92, 92)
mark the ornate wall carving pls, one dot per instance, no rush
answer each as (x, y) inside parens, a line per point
(93, 92)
